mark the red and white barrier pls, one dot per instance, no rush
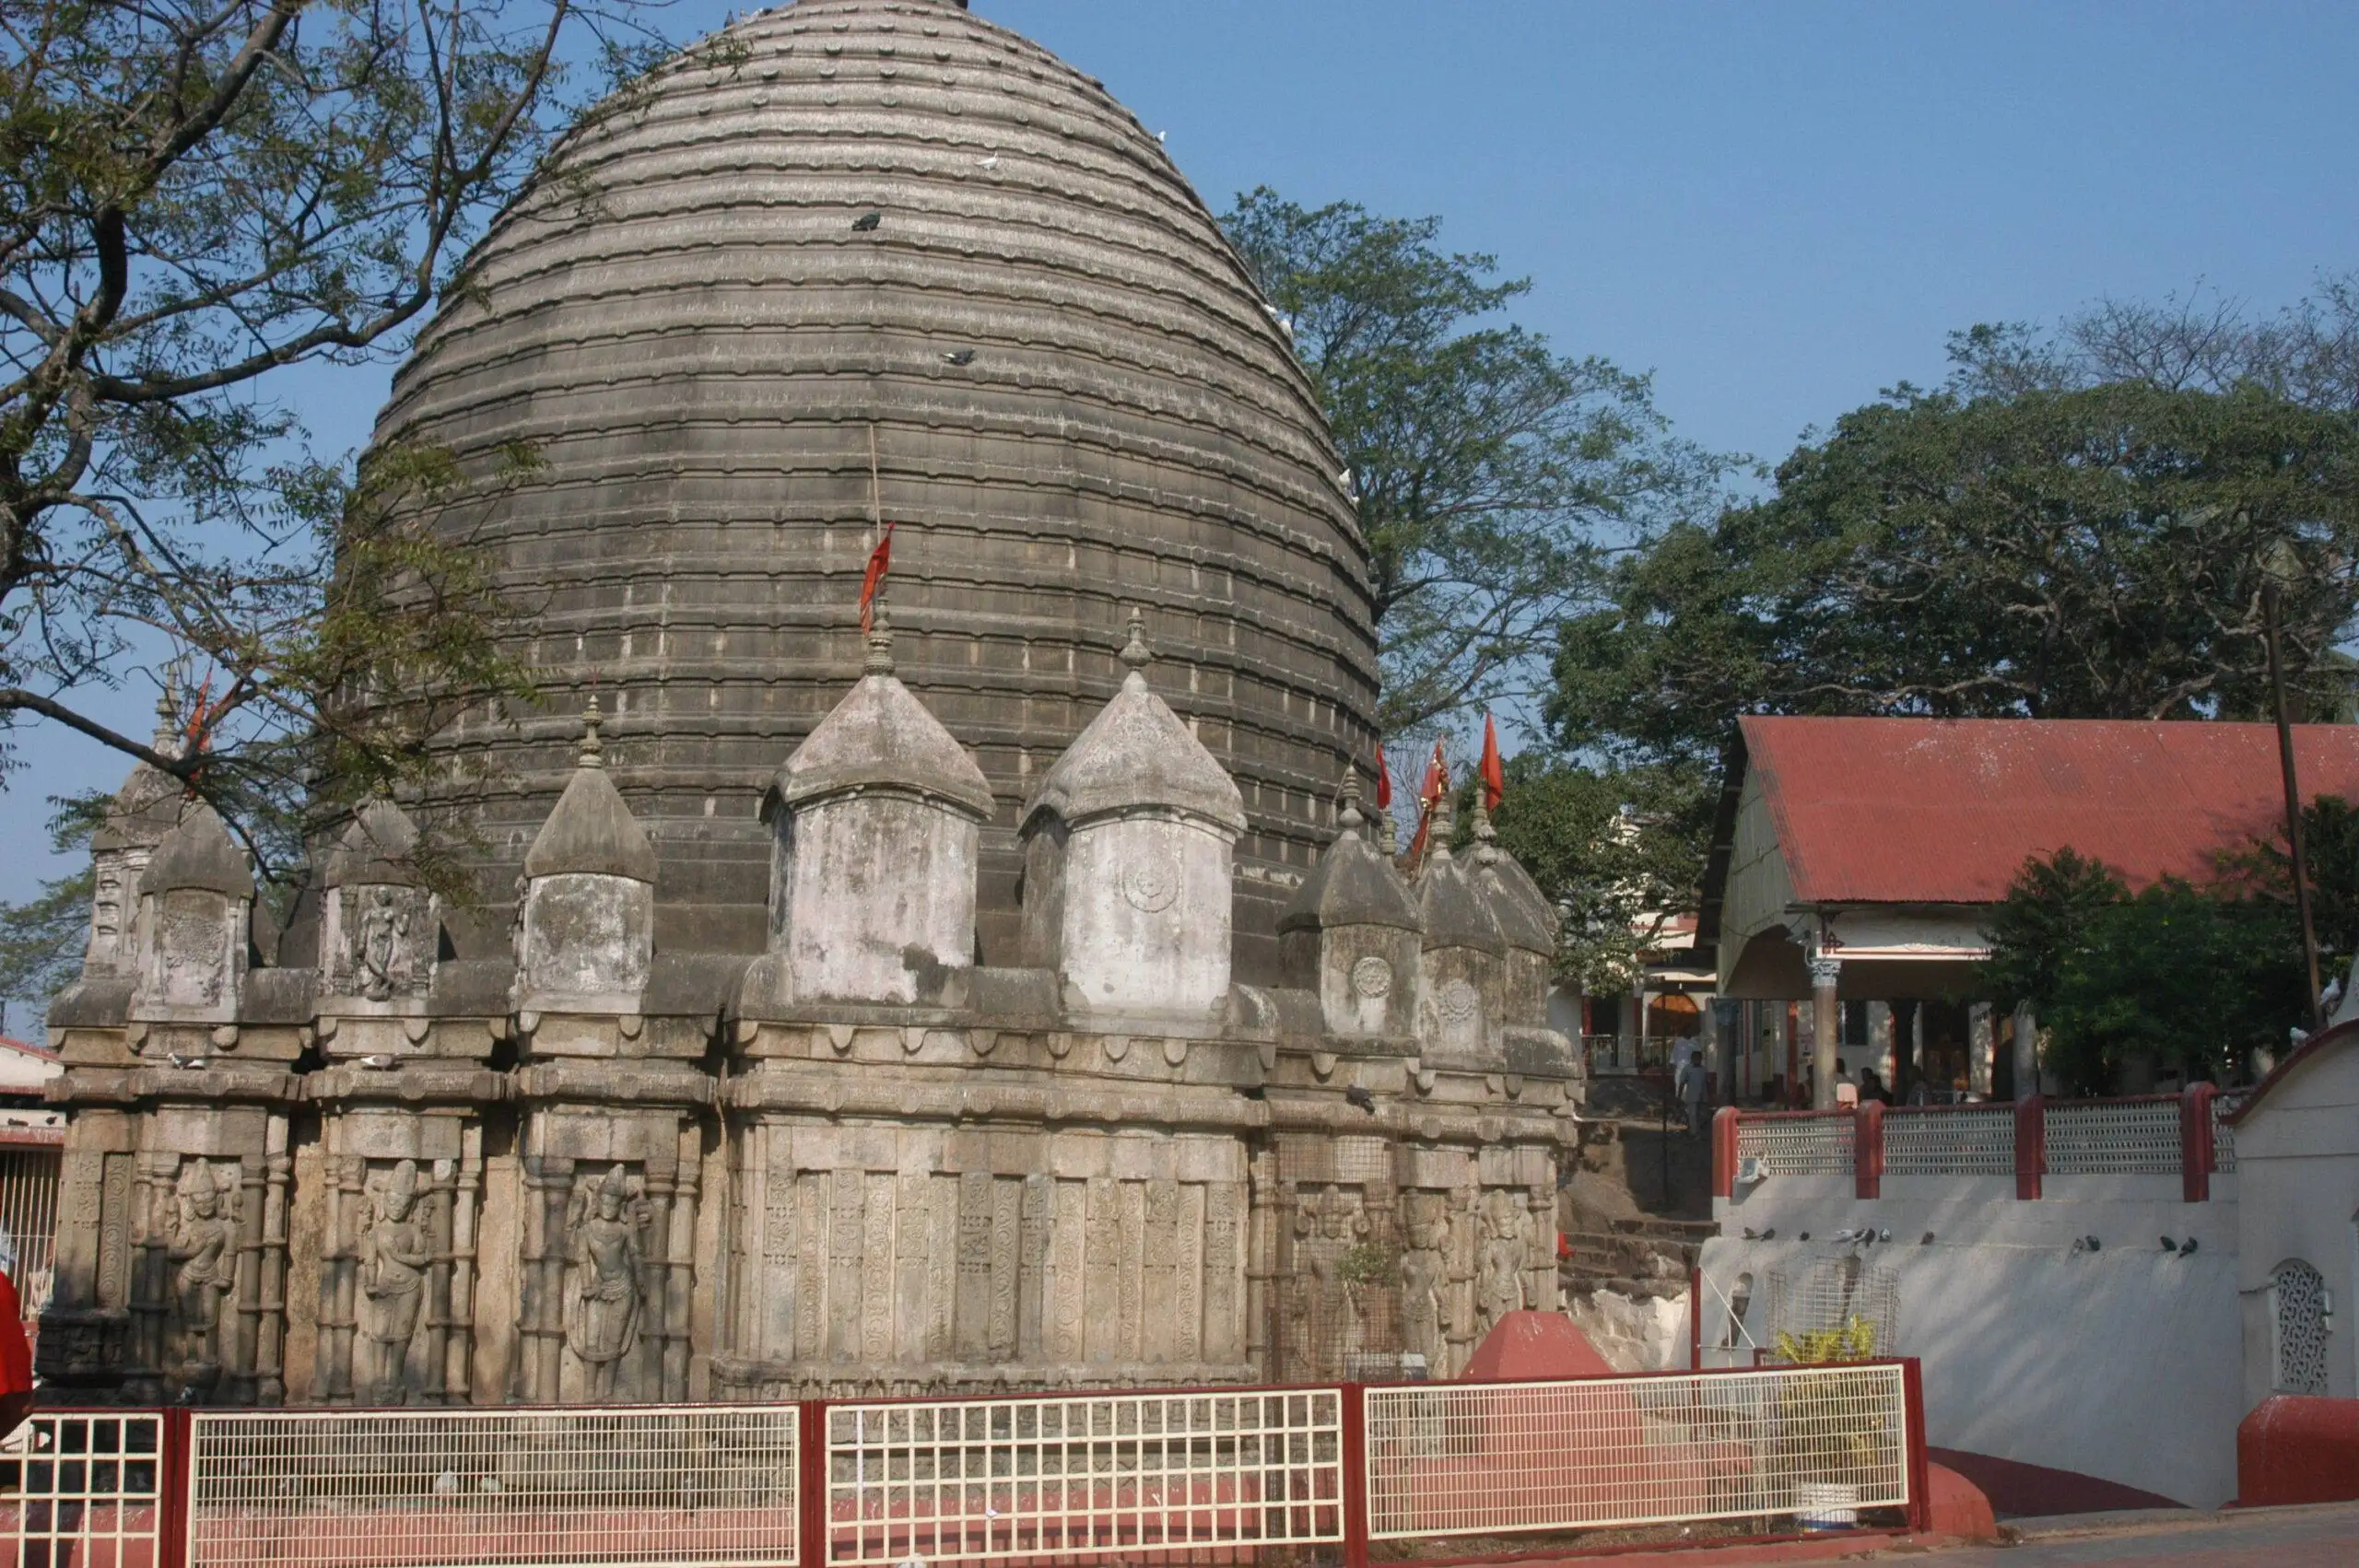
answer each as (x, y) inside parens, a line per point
(1209, 1475)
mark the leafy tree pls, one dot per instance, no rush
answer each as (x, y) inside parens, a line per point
(2191, 978)
(2043, 923)
(1491, 472)
(2200, 341)
(2095, 552)
(41, 939)
(2181, 974)
(1620, 851)
(193, 199)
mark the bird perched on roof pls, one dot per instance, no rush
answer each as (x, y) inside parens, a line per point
(1358, 1095)
(960, 357)
(991, 163)
(867, 221)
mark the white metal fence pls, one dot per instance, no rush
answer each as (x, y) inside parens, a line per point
(2113, 1137)
(83, 1491)
(1081, 1475)
(1949, 1140)
(1806, 1143)
(1485, 1459)
(447, 1488)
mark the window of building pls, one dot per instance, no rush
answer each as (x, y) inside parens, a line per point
(2297, 1308)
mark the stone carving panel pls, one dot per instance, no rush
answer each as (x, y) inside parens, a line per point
(605, 1251)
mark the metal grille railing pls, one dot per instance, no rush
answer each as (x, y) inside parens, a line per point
(83, 1491)
(1949, 1140)
(28, 1214)
(2223, 1137)
(1506, 1457)
(1089, 1475)
(2138, 1137)
(524, 1488)
(1807, 1144)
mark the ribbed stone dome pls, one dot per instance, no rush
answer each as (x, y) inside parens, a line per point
(1078, 401)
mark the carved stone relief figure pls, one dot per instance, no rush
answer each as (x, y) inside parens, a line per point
(204, 1255)
(1505, 1241)
(396, 1252)
(602, 1293)
(106, 948)
(381, 943)
(1425, 1280)
(1326, 1313)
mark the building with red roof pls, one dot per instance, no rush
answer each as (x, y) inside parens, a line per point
(1879, 845)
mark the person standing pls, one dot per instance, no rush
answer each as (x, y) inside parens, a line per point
(1689, 1082)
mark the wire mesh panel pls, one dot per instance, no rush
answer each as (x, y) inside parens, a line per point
(1825, 1307)
(1101, 1474)
(1502, 1457)
(1949, 1140)
(2113, 1137)
(527, 1488)
(81, 1490)
(1803, 1144)
(2223, 1136)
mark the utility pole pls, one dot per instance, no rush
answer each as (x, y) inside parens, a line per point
(2293, 800)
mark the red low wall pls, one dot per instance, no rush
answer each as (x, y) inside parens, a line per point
(2294, 1448)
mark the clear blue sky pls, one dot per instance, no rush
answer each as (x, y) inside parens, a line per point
(1776, 208)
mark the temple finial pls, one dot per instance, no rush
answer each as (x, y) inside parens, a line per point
(1487, 851)
(1445, 825)
(879, 660)
(591, 751)
(1134, 651)
(1349, 818)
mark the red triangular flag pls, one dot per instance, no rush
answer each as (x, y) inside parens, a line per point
(879, 561)
(1494, 776)
(1383, 780)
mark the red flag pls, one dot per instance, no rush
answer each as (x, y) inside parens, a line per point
(1495, 777)
(1383, 780)
(880, 560)
(1436, 780)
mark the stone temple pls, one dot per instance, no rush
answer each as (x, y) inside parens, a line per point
(1011, 997)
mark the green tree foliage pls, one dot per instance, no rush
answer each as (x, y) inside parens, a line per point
(2191, 978)
(2044, 922)
(1620, 850)
(195, 198)
(2092, 553)
(41, 939)
(1493, 474)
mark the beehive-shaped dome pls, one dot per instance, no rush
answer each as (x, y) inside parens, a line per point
(847, 219)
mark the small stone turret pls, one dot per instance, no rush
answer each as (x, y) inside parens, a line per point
(1463, 958)
(194, 900)
(877, 822)
(586, 922)
(1352, 934)
(377, 921)
(147, 808)
(1127, 848)
(1527, 926)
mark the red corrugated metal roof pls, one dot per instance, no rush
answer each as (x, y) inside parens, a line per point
(1944, 811)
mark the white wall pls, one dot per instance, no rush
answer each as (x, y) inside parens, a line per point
(2121, 1364)
(2298, 1162)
